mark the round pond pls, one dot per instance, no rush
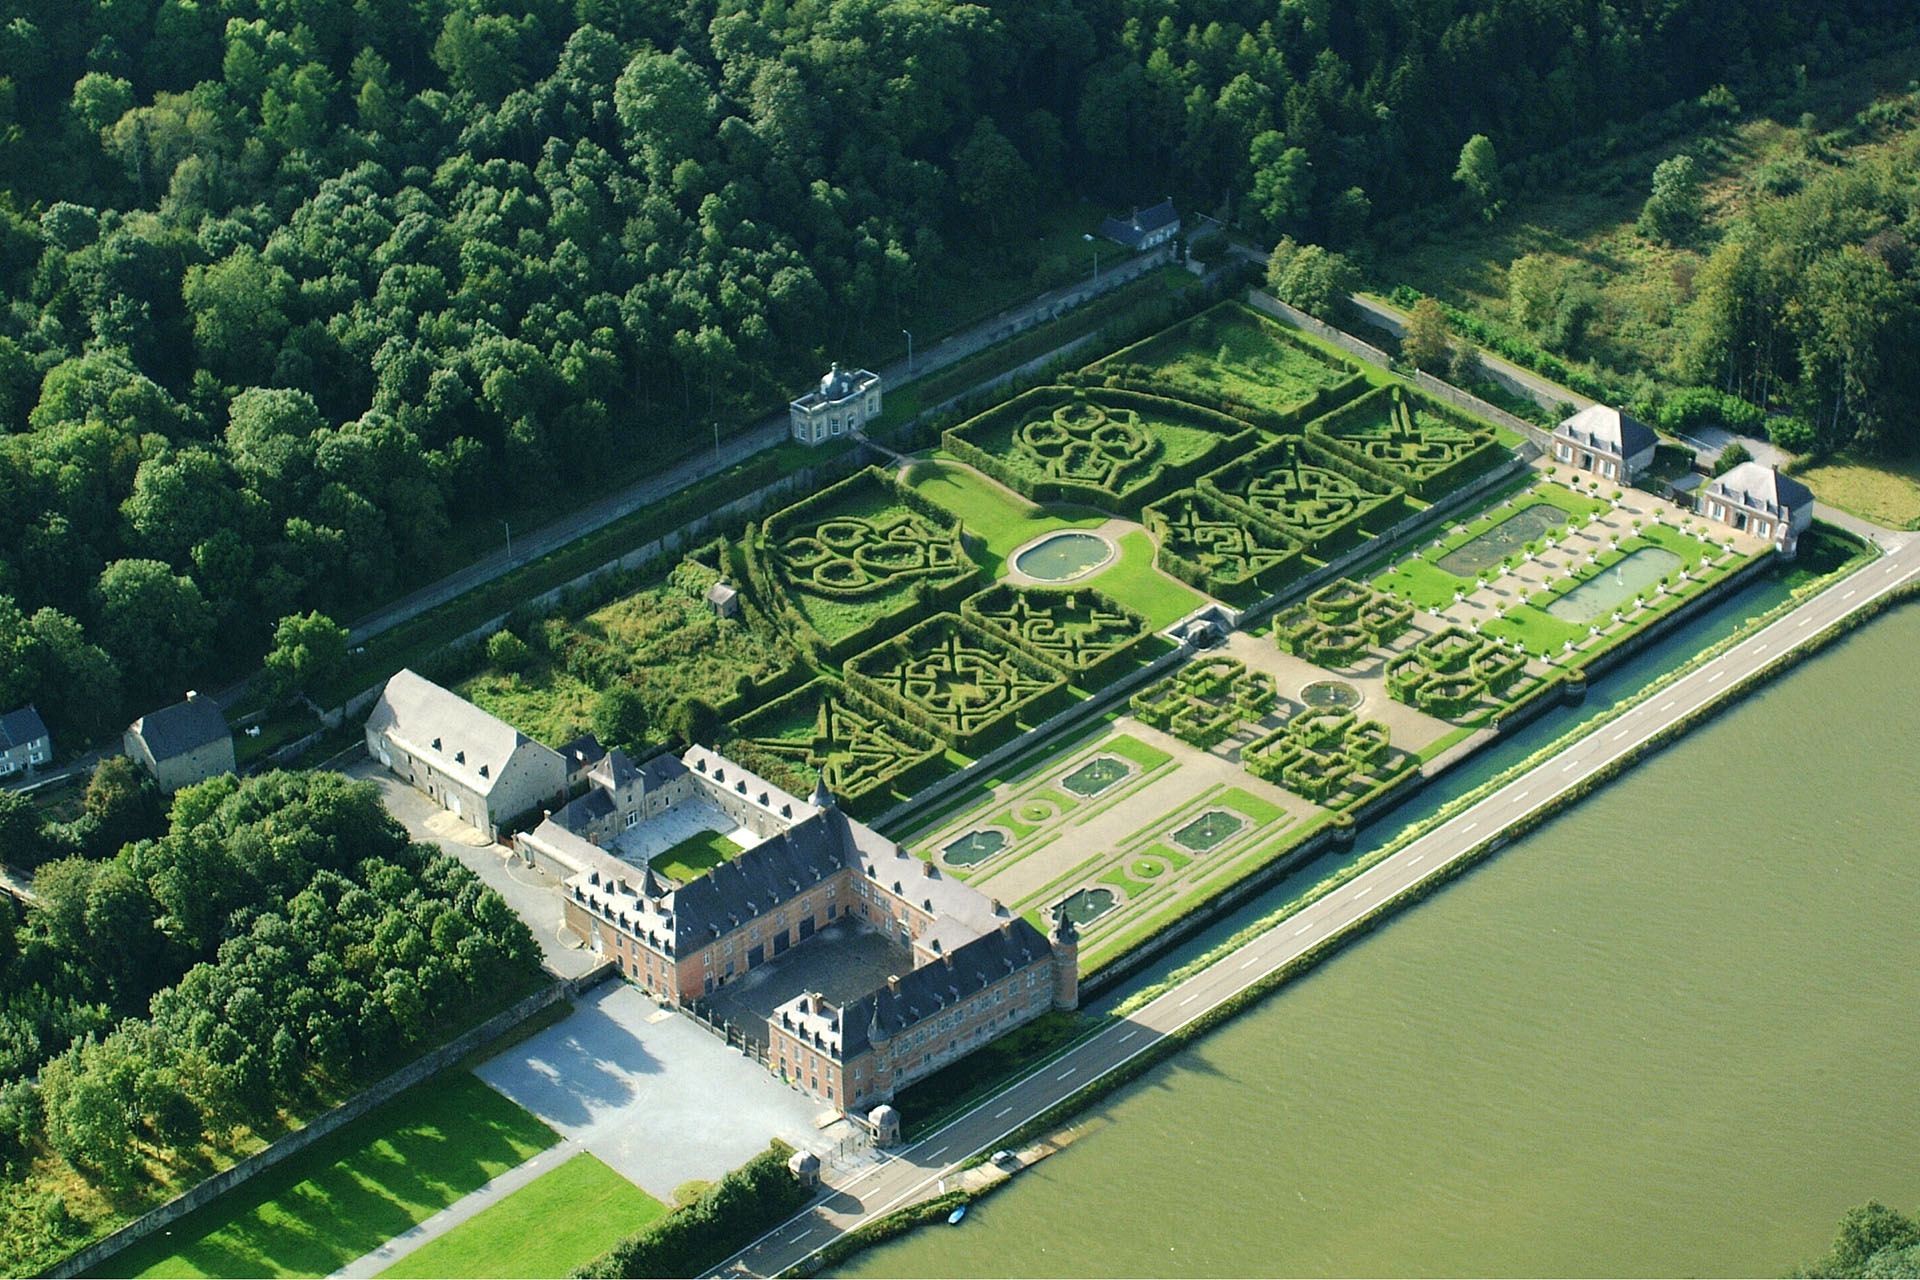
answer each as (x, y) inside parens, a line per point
(1060, 557)
(1337, 694)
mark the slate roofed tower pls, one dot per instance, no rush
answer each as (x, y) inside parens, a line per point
(822, 799)
(1065, 938)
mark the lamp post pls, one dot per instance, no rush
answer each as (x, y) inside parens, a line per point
(909, 334)
(716, 439)
(509, 529)
(1096, 255)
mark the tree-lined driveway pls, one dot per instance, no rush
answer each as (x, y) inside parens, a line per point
(915, 1172)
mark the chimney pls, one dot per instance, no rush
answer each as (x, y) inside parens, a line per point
(999, 908)
(193, 695)
(926, 869)
(893, 984)
(947, 959)
(1006, 928)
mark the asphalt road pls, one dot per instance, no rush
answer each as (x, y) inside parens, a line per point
(914, 1172)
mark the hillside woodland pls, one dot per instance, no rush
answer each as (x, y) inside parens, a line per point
(299, 291)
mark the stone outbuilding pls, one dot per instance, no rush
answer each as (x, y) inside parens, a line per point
(180, 745)
(474, 765)
(1144, 228)
(845, 401)
(25, 744)
(723, 600)
(1755, 498)
(1606, 442)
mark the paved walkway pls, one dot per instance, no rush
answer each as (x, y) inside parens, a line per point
(479, 1199)
(911, 1174)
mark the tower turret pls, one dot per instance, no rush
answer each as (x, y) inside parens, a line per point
(1065, 939)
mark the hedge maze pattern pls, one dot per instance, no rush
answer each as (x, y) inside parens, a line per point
(1326, 756)
(1107, 447)
(1205, 701)
(1337, 624)
(1414, 447)
(956, 680)
(822, 730)
(1079, 630)
(855, 556)
(1209, 545)
(1301, 490)
(1449, 673)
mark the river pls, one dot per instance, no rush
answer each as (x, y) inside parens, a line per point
(1672, 1032)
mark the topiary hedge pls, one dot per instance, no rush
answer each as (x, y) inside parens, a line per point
(737, 1210)
(955, 679)
(1086, 633)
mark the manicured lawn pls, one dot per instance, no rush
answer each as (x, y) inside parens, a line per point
(1537, 629)
(1424, 583)
(1136, 582)
(1687, 547)
(695, 856)
(1885, 491)
(353, 1190)
(563, 1219)
(998, 516)
(1131, 748)
(1245, 802)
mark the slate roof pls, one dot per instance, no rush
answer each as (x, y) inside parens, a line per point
(1757, 485)
(18, 728)
(1144, 222)
(932, 988)
(583, 752)
(183, 727)
(1604, 425)
(456, 737)
(774, 871)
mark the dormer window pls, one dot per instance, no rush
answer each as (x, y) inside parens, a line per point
(436, 744)
(459, 757)
(483, 773)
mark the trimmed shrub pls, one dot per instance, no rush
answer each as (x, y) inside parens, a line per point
(730, 1215)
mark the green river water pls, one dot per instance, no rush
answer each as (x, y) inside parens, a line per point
(1676, 1031)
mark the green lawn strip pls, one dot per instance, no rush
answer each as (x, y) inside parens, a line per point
(1176, 817)
(1423, 583)
(1536, 629)
(695, 856)
(1261, 810)
(1079, 871)
(1020, 830)
(1689, 548)
(566, 1217)
(1107, 799)
(1128, 747)
(1434, 749)
(1137, 583)
(1175, 860)
(352, 1191)
(1119, 879)
(1059, 799)
(998, 516)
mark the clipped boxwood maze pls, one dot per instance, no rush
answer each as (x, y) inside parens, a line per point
(1408, 439)
(1086, 633)
(1105, 447)
(1205, 701)
(1326, 756)
(1209, 545)
(1337, 624)
(1306, 493)
(962, 683)
(824, 730)
(857, 559)
(1451, 672)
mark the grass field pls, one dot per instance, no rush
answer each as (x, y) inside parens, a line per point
(1137, 583)
(996, 515)
(1236, 360)
(695, 856)
(1885, 491)
(563, 1219)
(353, 1190)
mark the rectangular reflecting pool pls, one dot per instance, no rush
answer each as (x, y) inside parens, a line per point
(1502, 540)
(1600, 596)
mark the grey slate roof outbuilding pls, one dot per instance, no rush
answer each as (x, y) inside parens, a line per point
(1146, 226)
(1605, 425)
(182, 728)
(1763, 487)
(21, 728)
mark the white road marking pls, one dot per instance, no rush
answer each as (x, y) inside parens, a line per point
(1806, 622)
(1249, 964)
(1668, 706)
(1850, 593)
(1305, 928)
(1522, 796)
(1001, 1112)
(1190, 999)
(1064, 1074)
(1415, 858)
(1715, 676)
(1570, 766)
(1470, 826)
(1130, 1035)
(1623, 733)
(936, 1155)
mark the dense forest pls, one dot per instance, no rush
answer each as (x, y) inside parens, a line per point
(279, 942)
(295, 288)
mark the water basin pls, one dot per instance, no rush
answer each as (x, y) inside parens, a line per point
(1484, 552)
(1095, 776)
(1337, 694)
(1087, 905)
(1208, 830)
(1597, 597)
(1063, 556)
(975, 846)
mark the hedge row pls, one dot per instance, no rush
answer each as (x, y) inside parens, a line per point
(916, 759)
(737, 1210)
(1205, 701)
(1448, 673)
(1374, 509)
(1317, 753)
(1096, 666)
(1160, 480)
(1276, 560)
(1482, 456)
(864, 671)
